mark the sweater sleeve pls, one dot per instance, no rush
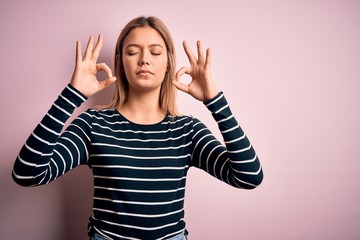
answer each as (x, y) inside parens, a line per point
(48, 152)
(236, 162)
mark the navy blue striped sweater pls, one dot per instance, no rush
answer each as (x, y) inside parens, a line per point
(139, 170)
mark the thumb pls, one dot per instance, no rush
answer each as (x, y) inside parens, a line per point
(107, 82)
(180, 86)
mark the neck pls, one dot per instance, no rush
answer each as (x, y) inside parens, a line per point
(142, 107)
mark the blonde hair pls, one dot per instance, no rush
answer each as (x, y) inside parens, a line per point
(167, 99)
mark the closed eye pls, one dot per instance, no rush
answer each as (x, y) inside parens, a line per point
(132, 53)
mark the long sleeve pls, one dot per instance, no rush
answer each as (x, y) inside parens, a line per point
(236, 163)
(48, 153)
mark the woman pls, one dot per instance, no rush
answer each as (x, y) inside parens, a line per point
(138, 148)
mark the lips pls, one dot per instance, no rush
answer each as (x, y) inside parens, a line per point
(144, 72)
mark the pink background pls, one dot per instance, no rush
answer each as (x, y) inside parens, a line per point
(290, 70)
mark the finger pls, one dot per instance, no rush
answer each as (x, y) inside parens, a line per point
(208, 58)
(97, 48)
(181, 72)
(89, 47)
(107, 82)
(189, 54)
(78, 51)
(200, 53)
(105, 68)
(182, 87)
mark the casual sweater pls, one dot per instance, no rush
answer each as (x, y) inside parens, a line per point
(139, 171)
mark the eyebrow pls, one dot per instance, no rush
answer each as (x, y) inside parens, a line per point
(139, 46)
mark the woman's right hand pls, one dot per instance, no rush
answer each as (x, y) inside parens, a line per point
(84, 78)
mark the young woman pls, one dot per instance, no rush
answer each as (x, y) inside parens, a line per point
(139, 148)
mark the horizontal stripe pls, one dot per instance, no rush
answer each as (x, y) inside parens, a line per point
(221, 109)
(244, 161)
(140, 168)
(236, 139)
(68, 101)
(225, 119)
(55, 119)
(142, 179)
(142, 140)
(214, 100)
(141, 148)
(140, 203)
(81, 130)
(76, 93)
(61, 109)
(230, 129)
(138, 214)
(36, 151)
(241, 150)
(42, 140)
(31, 164)
(246, 183)
(49, 130)
(137, 157)
(27, 177)
(248, 173)
(139, 190)
(143, 132)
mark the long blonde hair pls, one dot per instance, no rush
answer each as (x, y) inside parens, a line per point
(167, 99)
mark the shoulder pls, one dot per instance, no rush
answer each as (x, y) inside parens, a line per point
(96, 115)
(184, 121)
(105, 113)
(181, 119)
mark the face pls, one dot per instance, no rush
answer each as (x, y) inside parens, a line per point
(145, 59)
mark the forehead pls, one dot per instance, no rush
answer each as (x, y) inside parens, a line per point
(143, 36)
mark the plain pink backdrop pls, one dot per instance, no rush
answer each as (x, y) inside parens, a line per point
(290, 70)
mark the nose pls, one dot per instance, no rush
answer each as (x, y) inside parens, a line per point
(144, 60)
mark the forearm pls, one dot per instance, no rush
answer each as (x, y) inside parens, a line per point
(34, 163)
(236, 163)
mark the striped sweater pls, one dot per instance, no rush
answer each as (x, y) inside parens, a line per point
(139, 171)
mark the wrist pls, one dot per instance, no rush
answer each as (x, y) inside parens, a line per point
(207, 101)
(210, 94)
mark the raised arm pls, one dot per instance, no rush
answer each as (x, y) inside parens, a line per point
(236, 162)
(48, 153)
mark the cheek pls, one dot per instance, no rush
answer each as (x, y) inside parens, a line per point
(162, 65)
(163, 74)
(127, 66)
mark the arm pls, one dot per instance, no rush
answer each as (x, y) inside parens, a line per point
(47, 155)
(235, 163)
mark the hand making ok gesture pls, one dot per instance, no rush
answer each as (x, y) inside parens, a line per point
(84, 78)
(201, 86)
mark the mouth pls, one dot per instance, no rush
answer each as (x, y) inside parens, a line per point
(144, 72)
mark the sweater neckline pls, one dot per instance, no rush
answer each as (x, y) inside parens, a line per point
(123, 118)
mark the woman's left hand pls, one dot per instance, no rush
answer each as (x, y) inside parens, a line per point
(201, 86)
